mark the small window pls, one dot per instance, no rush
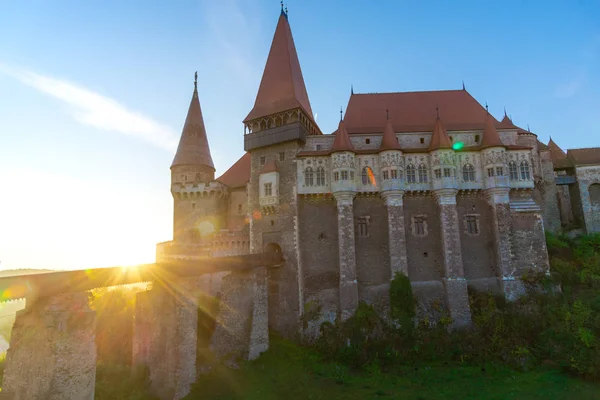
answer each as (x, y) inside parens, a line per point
(447, 172)
(419, 225)
(422, 140)
(490, 172)
(336, 176)
(476, 138)
(239, 208)
(367, 176)
(268, 189)
(272, 222)
(451, 139)
(512, 171)
(263, 160)
(351, 175)
(394, 173)
(193, 206)
(318, 147)
(386, 175)
(367, 141)
(472, 224)
(438, 173)
(362, 227)
(468, 173)
(499, 171)
(282, 156)
(344, 175)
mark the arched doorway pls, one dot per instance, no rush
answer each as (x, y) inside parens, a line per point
(275, 250)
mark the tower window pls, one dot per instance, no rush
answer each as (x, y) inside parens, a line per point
(386, 175)
(239, 208)
(422, 140)
(472, 224)
(490, 172)
(362, 226)
(336, 176)
(419, 225)
(320, 176)
(263, 160)
(344, 175)
(499, 171)
(447, 172)
(282, 156)
(268, 189)
(512, 171)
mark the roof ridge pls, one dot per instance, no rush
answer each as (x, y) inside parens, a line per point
(409, 91)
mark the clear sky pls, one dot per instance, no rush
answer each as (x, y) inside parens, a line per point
(93, 95)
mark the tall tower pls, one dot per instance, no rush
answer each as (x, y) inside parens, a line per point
(274, 130)
(199, 207)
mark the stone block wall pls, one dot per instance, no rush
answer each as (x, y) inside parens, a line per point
(52, 354)
(590, 205)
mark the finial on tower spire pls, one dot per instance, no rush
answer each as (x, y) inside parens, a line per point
(351, 89)
(487, 108)
(196, 80)
(341, 112)
(506, 115)
(528, 130)
(463, 82)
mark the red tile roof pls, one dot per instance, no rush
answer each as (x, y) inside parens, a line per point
(389, 140)
(490, 134)
(342, 140)
(589, 156)
(556, 153)
(238, 174)
(416, 111)
(269, 167)
(193, 146)
(282, 86)
(439, 138)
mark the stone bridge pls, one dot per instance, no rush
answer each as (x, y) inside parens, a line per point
(52, 352)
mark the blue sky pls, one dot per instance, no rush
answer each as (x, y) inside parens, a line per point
(93, 95)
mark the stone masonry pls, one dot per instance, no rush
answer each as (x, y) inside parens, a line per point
(348, 284)
(52, 354)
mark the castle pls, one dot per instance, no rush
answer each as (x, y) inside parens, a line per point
(428, 184)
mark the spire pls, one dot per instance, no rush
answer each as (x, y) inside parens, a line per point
(439, 138)
(556, 153)
(193, 146)
(490, 134)
(282, 86)
(389, 140)
(464, 85)
(342, 140)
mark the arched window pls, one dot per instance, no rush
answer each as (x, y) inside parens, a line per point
(320, 176)
(525, 174)
(410, 174)
(468, 173)
(422, 173)
(309, 177)
(367, 174)
(594, 191)
(512, 171)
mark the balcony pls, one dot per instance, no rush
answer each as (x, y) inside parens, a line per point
(343, 186)
(469, 185)
(392, 184)
(565, 179)
(522, 184)
(445, 183)
(492, 182)
(416, 187)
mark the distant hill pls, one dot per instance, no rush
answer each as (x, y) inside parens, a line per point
(23, 271)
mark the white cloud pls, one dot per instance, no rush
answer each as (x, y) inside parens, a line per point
(99, 111)
(570, 88)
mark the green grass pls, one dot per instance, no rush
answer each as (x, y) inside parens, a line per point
(289, 372)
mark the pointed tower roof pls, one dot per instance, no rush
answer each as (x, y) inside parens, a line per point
(556, 153)
(439, 138)
(193, 146)
(490, 134)
(342, 140)
(389, 140)
(282, 86)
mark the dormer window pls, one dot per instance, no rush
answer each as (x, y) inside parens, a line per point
(263, 160)
(367, 141)
(476, 138)
(318, 147)
(422, 140)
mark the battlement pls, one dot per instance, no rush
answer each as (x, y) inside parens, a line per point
(183, 190)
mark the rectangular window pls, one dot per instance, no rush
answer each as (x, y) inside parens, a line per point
(362, 227)
(263, 160)
(499, 171)
(336, 176)
(447, 172)
(239, 208)
(344, 175)
(419, 226)
(512, 170)
(386, 175)
(471, 224)
(438, 173)
(394, 173)
(282, 156)
(268, 189)
(351, 175)
(318, 147)
(490, 172)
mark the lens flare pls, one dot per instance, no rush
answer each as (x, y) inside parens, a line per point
(206, 228)
(371, 176)
(458, 146)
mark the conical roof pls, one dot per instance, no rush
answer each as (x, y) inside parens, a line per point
(490, 134)
(342, 140)
(556, 153)
(282, 86)
(439, 138)
(193, 146)
(389, 140)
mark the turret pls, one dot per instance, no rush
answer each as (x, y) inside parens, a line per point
(493, 154)
(442, 157)
(199, 201)
(391, 160)
(343, 162)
